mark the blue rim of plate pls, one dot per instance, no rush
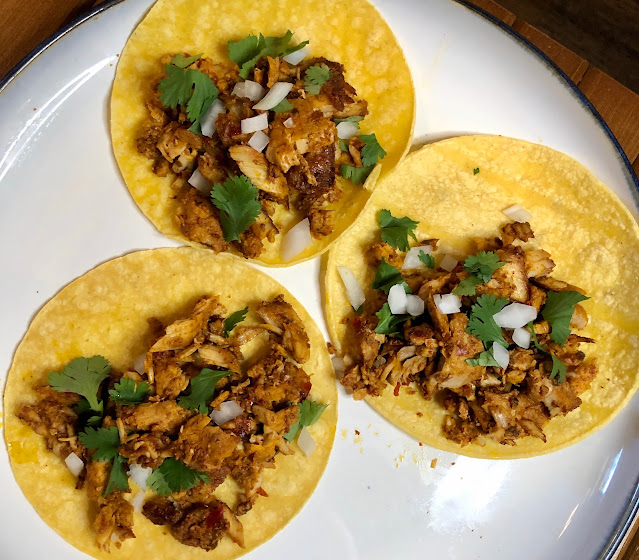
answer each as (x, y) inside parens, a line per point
(619, 533)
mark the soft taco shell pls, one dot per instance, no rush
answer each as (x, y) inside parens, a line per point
(105, 312)
(588, 232)
(351, 32)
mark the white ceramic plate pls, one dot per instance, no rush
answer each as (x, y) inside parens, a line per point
(64, 209)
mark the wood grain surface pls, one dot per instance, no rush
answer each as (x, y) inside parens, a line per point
(25, 25)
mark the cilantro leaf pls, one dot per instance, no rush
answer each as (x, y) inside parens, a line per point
(483, 264)
(104, 442)
(353, 119)
(237, 201)
(467, 286)
(395, 231)
(181, 61)
(315, 77)
(118, 479)
(558, 367)
(88, 417)
(204, 93)
(126, 391)
(558, 311)
(233, 319)
(389, 323)
(246, 52)
(486, 358)
(357, 175)
(427, 259)
(202, 390)
(82, 376)
(343, 146)
(386, 276)
(372, 151)
(282, 106)
(481, 322)
(174, 476)
(476, 170)
(309, 413)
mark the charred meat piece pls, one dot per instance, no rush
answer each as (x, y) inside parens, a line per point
(199, 220)
(281, 315)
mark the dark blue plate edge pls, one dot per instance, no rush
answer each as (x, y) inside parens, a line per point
(625, 522)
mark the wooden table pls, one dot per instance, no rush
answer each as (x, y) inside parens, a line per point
(26, 25)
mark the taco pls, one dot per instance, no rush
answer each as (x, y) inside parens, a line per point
(484, 301)
(170, 403)
(230, 133)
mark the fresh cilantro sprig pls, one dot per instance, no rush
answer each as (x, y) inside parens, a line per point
(558, 367)
(237, 201)
(202, 390)
(352, 119)
(309, 413)
(103, 441)
(485, 358)
(127, 392)
(282, 106)
(174, 476)
(343, 146)
(427, 259)
(388, 323)
(357, 175)
(467, 286)
(315, 77)
(82, 376)
(386, 276)
(182, 61)
(233, 320)
(558, 311)
(476, 170)
(481, 268)
(246, 52)
(86, 415)
(372, 152)
(481, 322)
(395, 231)
(118, 479)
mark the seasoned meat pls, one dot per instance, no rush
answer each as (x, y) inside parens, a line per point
(96, 479)
(251, 242)
(511, 280)
(165, 416)
(114, 520)
(169, 378)
(203, 526)
(318, 175)
(199, 220)
(461, 346)
(146, 450)
(517, 230)
(264, 175)
(281, 315)
(179, 145)
(217, 357)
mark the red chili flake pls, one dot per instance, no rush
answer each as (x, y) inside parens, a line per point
(396, 391)
(453, 463)
(357, 432)
(262, 492)
(215, 517)
(357, 323)
(420, 444)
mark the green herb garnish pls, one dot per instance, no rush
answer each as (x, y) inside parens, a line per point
(309, 413)
(82, 376)
(386, 276)
(104, 442)
(558, 311)
(476, 170)
(372, 152)
(357, 175)
(202, 390)
(481, 322)
(388, 323)
(315, 77)
(237, 201)
(282, 106)
(174, 476)
(118, 479)
(127, 392)
(558, 367)
(395, 231)
(486, 358)
(233, 320)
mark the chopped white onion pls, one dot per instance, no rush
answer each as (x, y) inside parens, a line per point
(275, 95)
(414, 305)
(448, 263)
(210, 117)
(501, 355)
(75, 464)
(253, 124)
(297, 56)
(518, 213)
(447, 303)
(138, 363)
(306, 442)
(515, 315)
(228, 411)
(346, 130)
(200, 182)
(521, 337)
(296, 240)
(288, 123)
(397, 300)
(249, 89)
(258, 141)
(338, 366)
(354, 291)
(139, 474)
(411, 260)
(138, 501)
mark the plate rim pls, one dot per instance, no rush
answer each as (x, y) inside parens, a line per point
(627, 516)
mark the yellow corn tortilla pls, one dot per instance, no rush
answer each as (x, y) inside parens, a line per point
(588, 232)
(105, 312)
(351, 32)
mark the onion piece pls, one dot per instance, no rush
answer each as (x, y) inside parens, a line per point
(253, 124)
(414, 305)
(275, 95)
(288, 123)
(411, 260)
(306, 442)
(515, 315)
(338, 366)
(207, 124)
(346, 130)
(200, 182)
(258, 141)
(138, 363)
(501, 355)
(521, 337)
(75, 464)
(448, 263)
(397, 300)
(139, 474)
(518, 214)
(296, 239)
(249, 89)
(354, 291)
(228, 411)
(447, 303)
(138, 501)
(296, 57)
